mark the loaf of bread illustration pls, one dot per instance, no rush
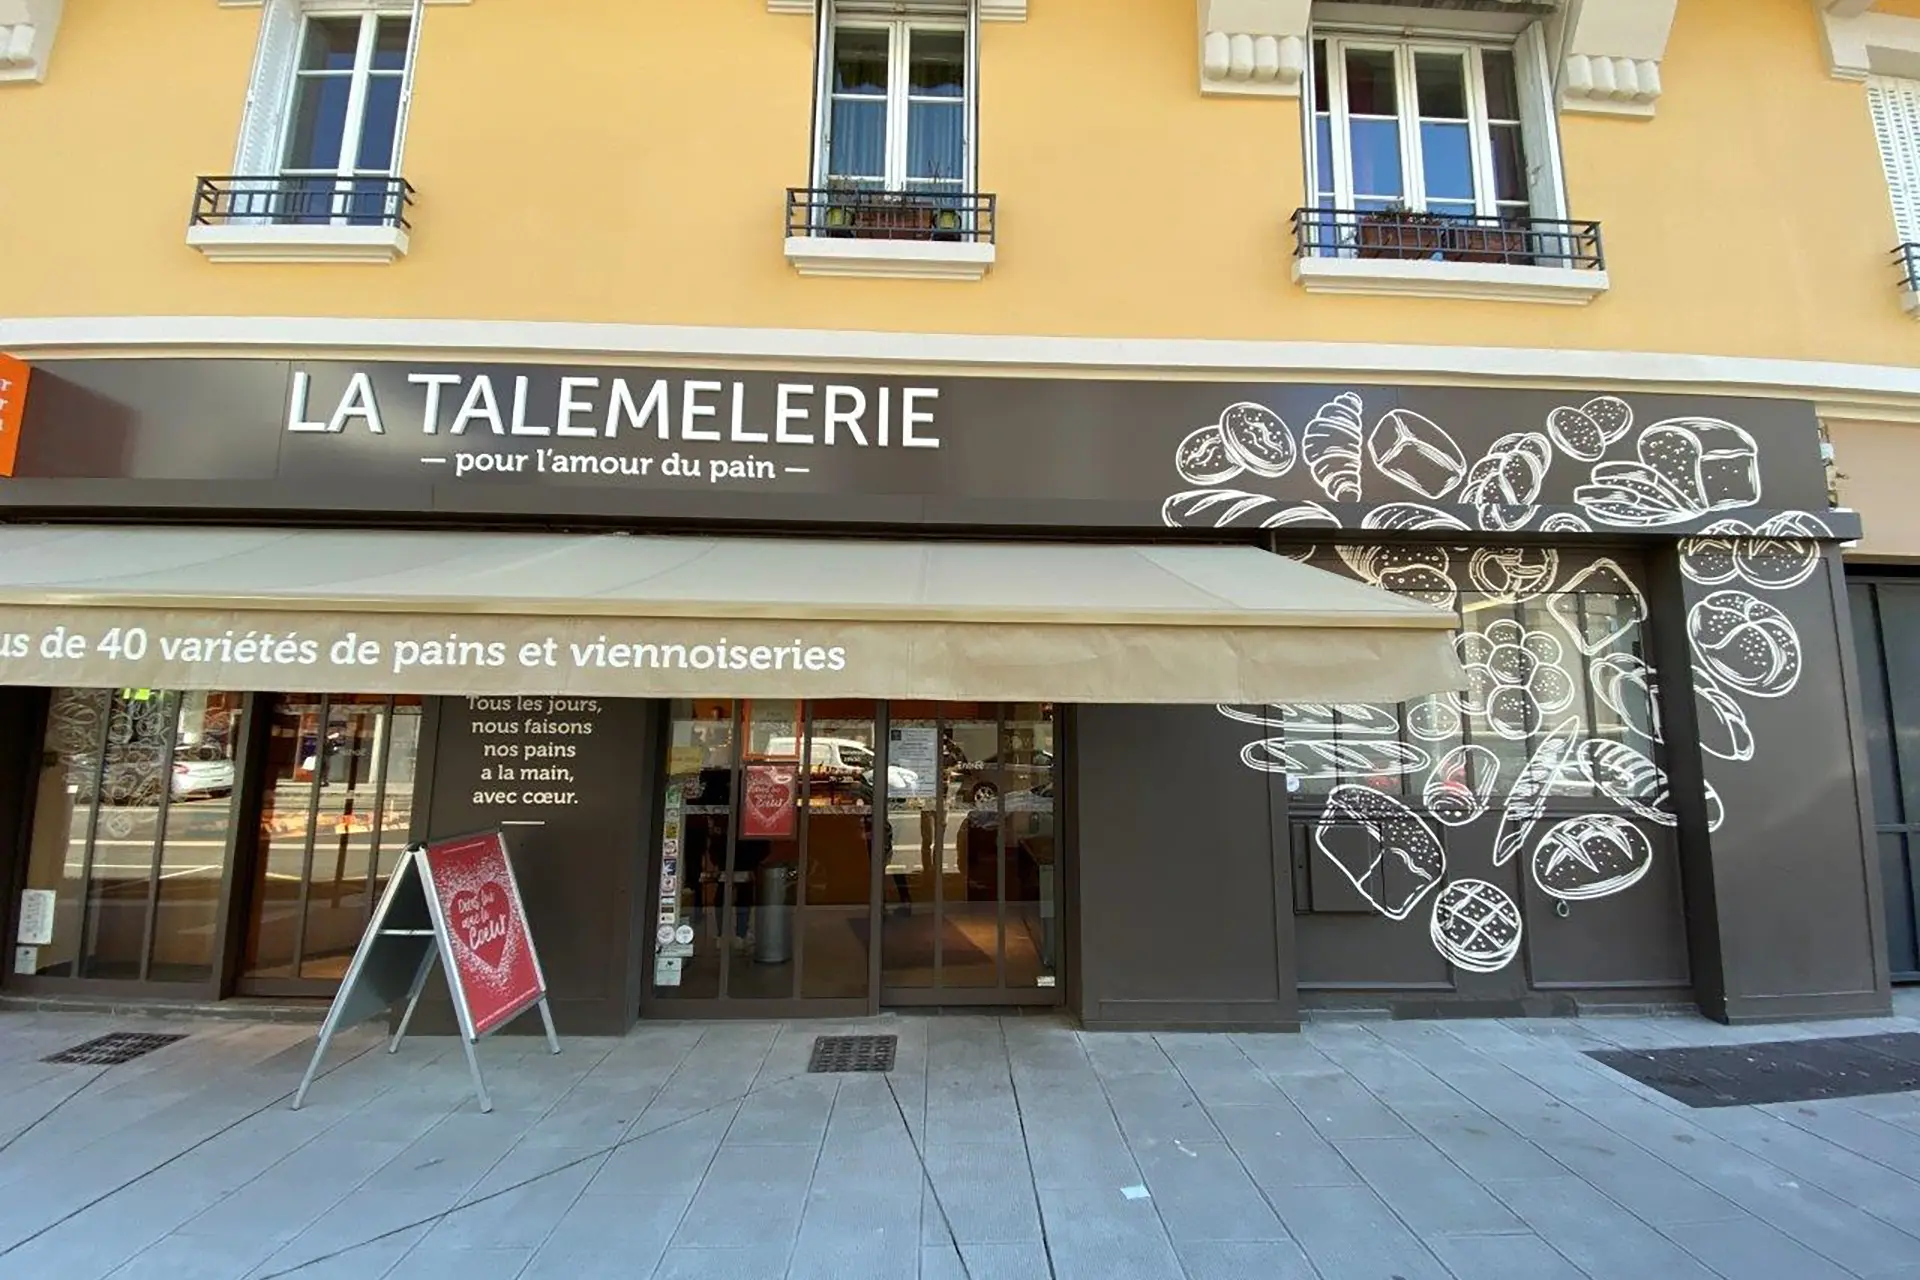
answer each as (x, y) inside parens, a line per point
(1402, 516)
(1293, 514)
(1591, 856)
(1722, 723)
(1745, 644)
(1396, 859)
(1212, 508)
(1435, 718)
(1257, 439)
(1565, 522)
(1625, 685)
(1475, 926)
(1421, 571)
(1413, 451)
(1202, 457)
(1461, 785)
(1538, 778)
(1332, 443)
(1592, 630)
(1687, 467)
(1628, 778)
(1321, 760)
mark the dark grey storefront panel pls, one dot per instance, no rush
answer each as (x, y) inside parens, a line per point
(576, 835)
(1886, 630)
(1790, 878)
(984, 451)
(1183, 912)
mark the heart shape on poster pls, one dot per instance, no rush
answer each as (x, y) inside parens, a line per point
(770, 793)
(481, 917)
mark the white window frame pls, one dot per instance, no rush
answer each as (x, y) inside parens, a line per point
(1406, 102)
(899, 99)
(360, 81)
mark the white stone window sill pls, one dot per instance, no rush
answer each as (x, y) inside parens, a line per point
(889, 259)
(267, 242)
(1487, 281)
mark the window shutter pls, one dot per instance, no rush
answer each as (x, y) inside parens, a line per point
(406, 86)
(270, 93)
(823, 16)
(1896, 127)
(1539, 125)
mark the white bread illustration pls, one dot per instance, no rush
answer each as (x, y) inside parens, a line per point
(1745, 644)
(1475, 926)
(1202, 457)
(1626, 686)
(1397, 844)
(1332, 443)
(1320, 760)
(1402, 516)
(1211, 508)
(1724, 732)
(1505, 484)
(1302, 513)
(1461, 785)
(1527, 798)
(1514, 573)
(1628, 778)
(1413, 451)
(1592, 856)
(1257, 439)
(1585, 433)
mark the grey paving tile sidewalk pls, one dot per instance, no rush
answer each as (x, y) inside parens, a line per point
(1012, 1148)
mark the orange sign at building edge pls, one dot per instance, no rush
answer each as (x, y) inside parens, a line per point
(13, 407)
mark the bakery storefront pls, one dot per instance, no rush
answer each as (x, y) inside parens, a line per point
(1166, 703)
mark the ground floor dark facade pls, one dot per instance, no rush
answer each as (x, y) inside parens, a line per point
(1674, 770)
(1574, 831)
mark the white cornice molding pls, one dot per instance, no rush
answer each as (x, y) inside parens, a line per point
(1871, 44)
(1869, 392)
(27, 29)
(990, 10)
(1610, 55)
(1253, 46)
(1845, 8)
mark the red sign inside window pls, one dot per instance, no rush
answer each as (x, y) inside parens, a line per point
(496, 974)
(771, 801)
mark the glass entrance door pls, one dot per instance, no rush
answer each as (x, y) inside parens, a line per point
(774, 879)
(971, 914)
(335, 807)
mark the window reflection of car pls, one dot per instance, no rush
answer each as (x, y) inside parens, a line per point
(1029, 841)
(980, 781)
(193, 777)
(829, 756)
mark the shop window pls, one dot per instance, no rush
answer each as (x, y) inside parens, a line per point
(1569, 665)
(133, 813)
(336, 810)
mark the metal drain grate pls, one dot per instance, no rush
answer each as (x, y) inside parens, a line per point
(113, 1049)
(1744, 1075)
(852, 1053)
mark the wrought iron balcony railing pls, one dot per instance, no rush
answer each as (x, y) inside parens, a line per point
(302, 200)
(1505, 239)
(1906, 260)
(868, 214)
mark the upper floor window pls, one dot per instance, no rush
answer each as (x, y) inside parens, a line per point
(1430, 128)
(898, 106)
(326, 112)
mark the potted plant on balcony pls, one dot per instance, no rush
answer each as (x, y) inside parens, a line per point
(1502, 241)
(1399, 232)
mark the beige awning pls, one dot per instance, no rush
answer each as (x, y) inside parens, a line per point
(450, 612)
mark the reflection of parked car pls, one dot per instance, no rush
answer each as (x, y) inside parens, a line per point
(202, 777)
(845, 755)
(980, 781)
(123, 783)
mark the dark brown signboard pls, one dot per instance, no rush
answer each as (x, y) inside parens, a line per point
(679, 445)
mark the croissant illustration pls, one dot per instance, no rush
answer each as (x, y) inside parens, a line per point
(1332, 447)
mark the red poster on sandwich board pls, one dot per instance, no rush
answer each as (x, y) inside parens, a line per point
(496, 975)
(772, 794)
(454, 902)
